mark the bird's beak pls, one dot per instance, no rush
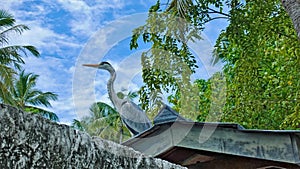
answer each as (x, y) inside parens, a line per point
(91, 65)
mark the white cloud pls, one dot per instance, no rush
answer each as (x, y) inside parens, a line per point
(9, 4)
(54, 67)
(44, 38)
(43, 67)
(84, 82)
(36, 36)
(128, 69)
(58, 70)
(88, 17)
(55, 77)
(74, 6)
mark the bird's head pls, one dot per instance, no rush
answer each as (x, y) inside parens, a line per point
(102, 65)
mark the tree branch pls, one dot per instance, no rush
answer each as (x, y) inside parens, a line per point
(220, 17)
(218, 12)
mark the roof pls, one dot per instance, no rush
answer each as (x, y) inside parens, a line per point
(170, 135)
(167, 114)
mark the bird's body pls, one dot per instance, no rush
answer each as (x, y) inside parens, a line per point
(132, 116)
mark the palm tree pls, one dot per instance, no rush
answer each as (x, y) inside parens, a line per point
(10, 55)
(104, 121)
(26, 97)
(77, 124)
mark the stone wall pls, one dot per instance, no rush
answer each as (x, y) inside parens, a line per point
(30, 141)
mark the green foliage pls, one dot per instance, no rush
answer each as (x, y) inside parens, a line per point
(11, 57)
(259, 84)
(210, 99)
(25, 96)
(261, 50)
(168, 65)
(46, 114)
(104, 122)
(18, 88)
(130, 95)
(76, 124)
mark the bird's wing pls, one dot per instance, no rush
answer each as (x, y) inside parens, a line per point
(134, 117)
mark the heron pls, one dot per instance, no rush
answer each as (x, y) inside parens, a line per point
(134, 118)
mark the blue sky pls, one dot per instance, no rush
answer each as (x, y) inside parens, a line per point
(69, 33)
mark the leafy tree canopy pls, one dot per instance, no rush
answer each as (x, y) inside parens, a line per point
(260, 51)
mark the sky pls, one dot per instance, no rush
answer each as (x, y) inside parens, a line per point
(69, 33)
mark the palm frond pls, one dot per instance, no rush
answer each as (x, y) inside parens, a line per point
(105, 122)
(5, 96)
(8, 52)
(6, 19)
(7, 27)
(100, 109)
(24, 92)
(4, 35)
(12, 90)
(41, 98)
(47, 114)
(76, 124)
(6, 84)
(10, 55)
(33, 50)
(6, 75)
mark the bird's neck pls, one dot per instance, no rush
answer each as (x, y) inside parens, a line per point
(111, 91)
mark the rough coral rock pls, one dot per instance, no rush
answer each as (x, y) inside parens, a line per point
(30, 141)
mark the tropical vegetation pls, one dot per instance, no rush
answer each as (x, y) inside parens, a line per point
(17, 88)
(104, 121)
(258, 86)
(26, 97)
